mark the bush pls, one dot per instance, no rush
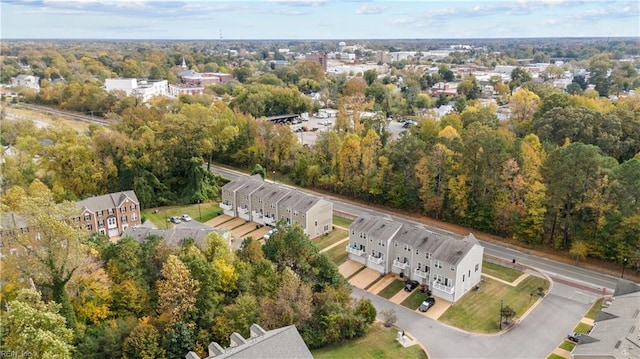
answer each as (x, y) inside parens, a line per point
(389, 317)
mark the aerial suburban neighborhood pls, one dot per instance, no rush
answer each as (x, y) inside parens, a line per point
(320, 179)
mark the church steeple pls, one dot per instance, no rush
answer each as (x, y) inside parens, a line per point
(184, 64)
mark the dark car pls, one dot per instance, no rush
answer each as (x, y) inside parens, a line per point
(426, 304)
(574, 337)
(410, 285)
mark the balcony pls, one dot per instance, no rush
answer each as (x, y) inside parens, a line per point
(256, 214)
(443, 288)
(243, 210)
(354, 251)
(400, 265)
(375, 260)
(269, 221)
(421, 274)
(226, 206)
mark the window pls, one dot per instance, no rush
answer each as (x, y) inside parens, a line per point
(101, 223)
(87, 217)
(101, 213)
(134, 216)
(89, 227)
(123, 209)
(316, 223)
(395, 243)
(111, 221)
(419, 265)
(469, 273)
(295, 213)
(438, 264)
(133, 207)
(463, 277)
(110, 211)
(477, 265)
(453, 268)
(427, 255)
(124, 219)
(406, 247)
(416, 251)
(381, 243)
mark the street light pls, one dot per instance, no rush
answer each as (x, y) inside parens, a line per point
(624, 262)
(500, 314)
(199, 212)
(274, 176)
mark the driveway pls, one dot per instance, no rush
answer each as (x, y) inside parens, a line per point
(535, 337)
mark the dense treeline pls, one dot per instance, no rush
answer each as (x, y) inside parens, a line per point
(149, 300)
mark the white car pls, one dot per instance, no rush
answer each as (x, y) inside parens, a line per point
(270, 233)
(186, 218)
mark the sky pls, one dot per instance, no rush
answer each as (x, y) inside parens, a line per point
(316, 19)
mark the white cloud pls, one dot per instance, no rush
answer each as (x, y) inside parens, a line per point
(370, 10)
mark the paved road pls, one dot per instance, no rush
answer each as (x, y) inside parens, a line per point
(535, 337)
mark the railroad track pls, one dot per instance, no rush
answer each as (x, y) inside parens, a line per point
(65, 114)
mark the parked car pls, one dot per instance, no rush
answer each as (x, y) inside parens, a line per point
(574, 337)
(186, 218)
(427, 303)
(270, 233)
(175, 220)
(410, 285)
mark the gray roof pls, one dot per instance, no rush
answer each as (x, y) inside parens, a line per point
(111, 200)
(281, 343)
(250, 186)
(299, 201)
(173, 237)
(375, 227)
(276, 194)
(448, 249)
(616, 333)
(453, 250)
(9, 221)
(235, 184)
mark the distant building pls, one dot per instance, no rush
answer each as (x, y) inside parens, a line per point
(144, 89)
(319, 57)
(278, 343)
(28, 81)
(109, 214)
(177, 90)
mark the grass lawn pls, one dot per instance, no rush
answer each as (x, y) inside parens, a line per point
(555, 356)
(342, 222)
(208, 210)
(334, 236)
(379, 343)
(391, 289)
(337, 254)
(595, 308)
(567, 345)
(414, 300)
(498, 271)
(582, 328)
(479, 311)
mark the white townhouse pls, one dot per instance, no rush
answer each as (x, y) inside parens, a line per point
(449, 266)
(253, 199)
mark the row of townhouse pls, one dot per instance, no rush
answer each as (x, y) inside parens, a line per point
(449, 266)
(108, 214)
(253, 199)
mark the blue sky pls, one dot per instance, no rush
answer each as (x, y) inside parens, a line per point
(317, 19)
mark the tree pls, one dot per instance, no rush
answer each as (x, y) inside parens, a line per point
(370, 76)
(34, 328)
(54, 250)
(519, 76)
(292, 303)
(143, 342)
(507, 313)
(579, 249)
(523, 104)
(177, 291)
(389, 317)
(258, 169)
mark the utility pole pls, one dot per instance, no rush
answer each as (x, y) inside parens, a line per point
(500, 314)
(624, 261)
